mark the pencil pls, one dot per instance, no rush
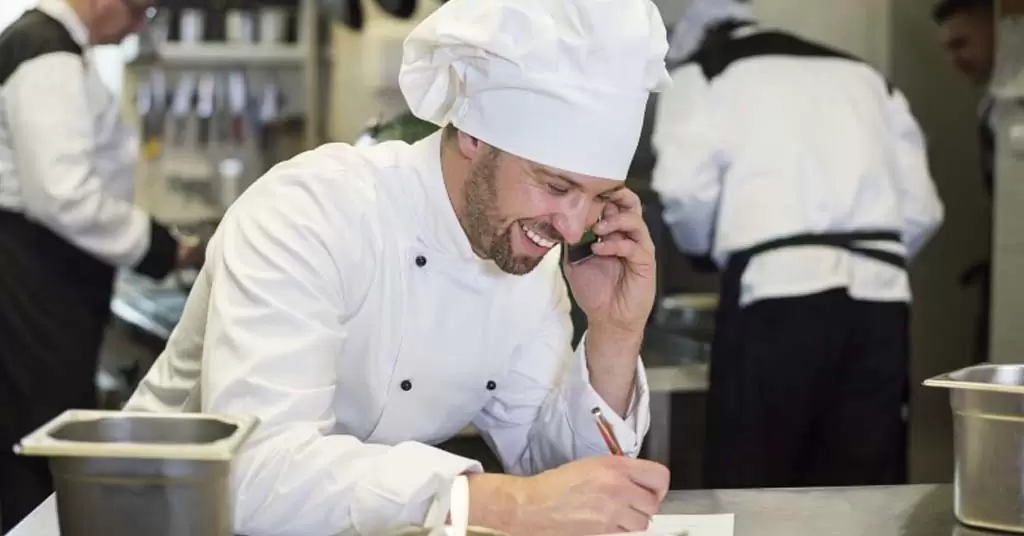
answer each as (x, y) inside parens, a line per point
(606, 433)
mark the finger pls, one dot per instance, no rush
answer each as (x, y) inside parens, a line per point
(618, 246)
(629, 224)
(642, 500)
(630, 520)
(650, 475)
(610, 210)
(626, 200)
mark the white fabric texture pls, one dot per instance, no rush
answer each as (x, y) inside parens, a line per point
(563, 83)
(688, 32)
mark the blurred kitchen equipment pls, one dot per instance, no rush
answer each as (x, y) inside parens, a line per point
(690, 314)
(230, 171)
(405, 127)
(988, 433)
(193, 25)
(125, 474)
(273, 25)
(240, 27)
(347, 12)
(402, 9)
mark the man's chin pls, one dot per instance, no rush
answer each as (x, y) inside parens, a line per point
(519, 265)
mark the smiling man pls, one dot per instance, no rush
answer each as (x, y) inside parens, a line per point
(368, 303)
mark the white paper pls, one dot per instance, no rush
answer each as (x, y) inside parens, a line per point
(688, 525)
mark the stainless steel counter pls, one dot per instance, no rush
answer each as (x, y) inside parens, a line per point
(923, 510)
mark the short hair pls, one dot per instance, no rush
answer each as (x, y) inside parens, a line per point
(947, 9)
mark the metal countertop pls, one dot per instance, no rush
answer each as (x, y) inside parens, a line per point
(919, 510)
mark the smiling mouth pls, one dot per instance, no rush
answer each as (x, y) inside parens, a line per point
(537, 239)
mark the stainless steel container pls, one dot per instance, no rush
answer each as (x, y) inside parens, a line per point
(126, 474)
(988, 431)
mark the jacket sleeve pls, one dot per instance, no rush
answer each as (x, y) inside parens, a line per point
(276, 325)
(53, 149)
(921, 208)
(688, 171)
(540, 417)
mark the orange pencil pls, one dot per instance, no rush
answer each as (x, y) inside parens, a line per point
(606, 432)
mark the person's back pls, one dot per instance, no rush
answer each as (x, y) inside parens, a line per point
(801, 172)
(806, 140)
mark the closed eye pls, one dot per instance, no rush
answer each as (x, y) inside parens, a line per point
(557, 190)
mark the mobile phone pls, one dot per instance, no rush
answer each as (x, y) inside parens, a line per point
(583, 249)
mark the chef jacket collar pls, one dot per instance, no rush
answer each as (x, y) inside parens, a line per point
(440, 230)
(63, 13)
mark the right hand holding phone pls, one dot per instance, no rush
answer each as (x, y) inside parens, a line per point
(598, 495)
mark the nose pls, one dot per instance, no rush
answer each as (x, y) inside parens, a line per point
(573, 222)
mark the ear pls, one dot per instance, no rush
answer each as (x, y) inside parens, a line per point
(469, 146)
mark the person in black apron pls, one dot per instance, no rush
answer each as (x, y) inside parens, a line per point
(768, 164)
(66, 224)
(967, 29)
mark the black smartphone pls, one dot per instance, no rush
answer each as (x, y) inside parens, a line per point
(582, 250)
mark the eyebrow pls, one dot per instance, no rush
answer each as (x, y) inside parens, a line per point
(574, 183)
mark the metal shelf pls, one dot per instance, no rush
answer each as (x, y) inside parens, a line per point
(225, 55)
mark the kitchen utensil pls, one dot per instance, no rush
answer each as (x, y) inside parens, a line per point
(988, 433)
(348, 12)
(125, 474)
(273, 24)
(240, 27)
(402, 9)
(193, 25)
(204, 107)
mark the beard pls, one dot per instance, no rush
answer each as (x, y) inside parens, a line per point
(489, 236)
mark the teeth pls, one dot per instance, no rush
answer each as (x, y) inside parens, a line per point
(538, 239)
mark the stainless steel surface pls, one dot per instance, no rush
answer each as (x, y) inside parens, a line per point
(988, 434)
(922, 510)
(121, 474)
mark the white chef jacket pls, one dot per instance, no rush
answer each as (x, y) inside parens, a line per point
(67, 159)
(786, 137)
(341, 304)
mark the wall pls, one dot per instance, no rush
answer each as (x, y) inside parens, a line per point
(1008, 288)
(360, 57)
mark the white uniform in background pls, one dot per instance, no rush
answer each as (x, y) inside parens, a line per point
(67, 223)
(802, 174)
(342, 304)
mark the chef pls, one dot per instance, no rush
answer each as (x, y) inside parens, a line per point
(67, 222)
(367, 303)
(803, 175)
(967, 30)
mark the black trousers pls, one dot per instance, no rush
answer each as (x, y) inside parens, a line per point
(810, 392)
(54, 306)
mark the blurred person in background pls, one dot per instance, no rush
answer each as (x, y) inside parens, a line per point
(967, 31)
(67, 223)
(803, 175)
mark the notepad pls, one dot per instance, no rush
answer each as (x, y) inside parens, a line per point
(688, 525)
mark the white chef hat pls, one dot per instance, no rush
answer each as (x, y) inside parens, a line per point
(562, 83)
(700, 15)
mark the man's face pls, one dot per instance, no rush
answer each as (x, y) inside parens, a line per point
(119, 19)
(969, 40)
(515, 211)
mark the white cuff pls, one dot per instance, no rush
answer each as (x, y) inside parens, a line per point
(582, 399)
(402, 494)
